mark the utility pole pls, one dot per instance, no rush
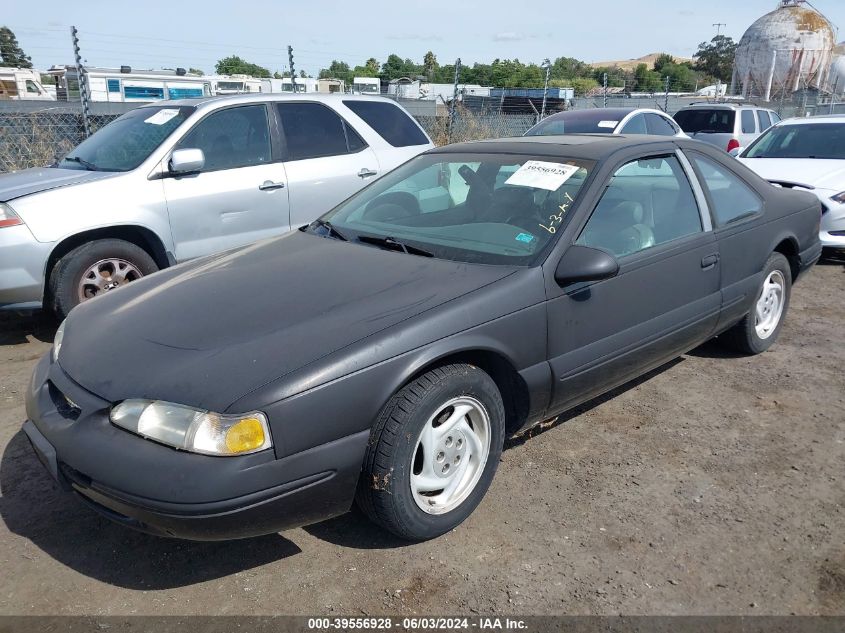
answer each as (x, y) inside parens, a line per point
(548, 66)
(604, 86)
(454, 99)
(719, 26)
(292, 71)
(82, 80)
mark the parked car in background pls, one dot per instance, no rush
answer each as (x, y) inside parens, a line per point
(807, 154)
(386, 350)
(607, 121)
(725, 125)
(172, 181)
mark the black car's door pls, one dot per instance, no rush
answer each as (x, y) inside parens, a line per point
(652, 216)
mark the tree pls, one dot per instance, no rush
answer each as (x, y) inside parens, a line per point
(303, 74)
(337, 70)
(717, 57)
(372, 66)
(195, 71)
(664, 59)
(11, 54)
(234, 65)
(430, 65)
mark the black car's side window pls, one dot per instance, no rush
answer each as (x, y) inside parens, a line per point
(230, 138)
(313, 130)
(731, 199)
(647, 203)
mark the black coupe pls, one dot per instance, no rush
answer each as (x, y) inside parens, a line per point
(384, 352)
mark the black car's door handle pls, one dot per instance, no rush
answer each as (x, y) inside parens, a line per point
(269, 185)
(710, 261)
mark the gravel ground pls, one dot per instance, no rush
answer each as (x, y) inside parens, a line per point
(714, 485)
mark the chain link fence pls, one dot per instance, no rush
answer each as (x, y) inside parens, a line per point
(38, 138)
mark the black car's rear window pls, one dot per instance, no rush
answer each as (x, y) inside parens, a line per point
(391, 123)
(706, 120)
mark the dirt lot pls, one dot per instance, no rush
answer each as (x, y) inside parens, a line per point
(713, 486)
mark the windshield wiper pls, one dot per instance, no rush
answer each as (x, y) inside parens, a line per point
(330, 228)
(86, 164)
(394, 244)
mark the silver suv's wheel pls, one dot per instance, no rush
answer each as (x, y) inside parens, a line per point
(433, 452)
(94, 268)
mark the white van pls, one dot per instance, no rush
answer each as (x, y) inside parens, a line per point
(23, 84)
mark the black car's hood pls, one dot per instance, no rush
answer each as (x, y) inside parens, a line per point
(208, 332)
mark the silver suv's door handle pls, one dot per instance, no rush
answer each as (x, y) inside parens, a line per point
(269, 185)
(366, 173)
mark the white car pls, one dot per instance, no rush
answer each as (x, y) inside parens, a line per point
(807, 154)
(612, 121)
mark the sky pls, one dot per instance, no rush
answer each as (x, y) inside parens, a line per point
(156, 34)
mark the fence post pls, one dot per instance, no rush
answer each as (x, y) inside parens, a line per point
(604, 84)
(82, 80)
(666, 98)
(292, 71)
(454, 101)
(548, 66)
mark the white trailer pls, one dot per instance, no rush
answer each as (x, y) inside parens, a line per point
(119, 85)
(303, 84)
(366, 85)
(23, 84)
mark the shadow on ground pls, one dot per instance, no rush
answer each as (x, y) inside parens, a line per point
(16, 328)
(33, 507)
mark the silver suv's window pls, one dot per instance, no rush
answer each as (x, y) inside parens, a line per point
(706, 120)
(647, 203)
(312, 130)
(731, 199)
(391, 123)
(230, 138)
(127, 141)
(765, 121)
(748, 125)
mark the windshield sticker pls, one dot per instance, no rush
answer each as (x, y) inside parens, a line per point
(608, 124)
(162, 116)
(542, 175)
(555, 220)
(527, 238)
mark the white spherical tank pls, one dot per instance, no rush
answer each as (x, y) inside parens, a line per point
(789, 49)
(836, 80)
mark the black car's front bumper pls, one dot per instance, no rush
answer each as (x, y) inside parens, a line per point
(157, 489)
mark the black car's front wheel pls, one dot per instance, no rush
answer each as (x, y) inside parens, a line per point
(433, 452)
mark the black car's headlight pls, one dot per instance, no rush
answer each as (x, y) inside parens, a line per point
(57, 341)
(192, 429)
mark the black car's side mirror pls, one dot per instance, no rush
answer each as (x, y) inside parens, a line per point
(582, 263)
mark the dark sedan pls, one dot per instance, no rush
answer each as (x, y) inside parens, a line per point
(385, 351)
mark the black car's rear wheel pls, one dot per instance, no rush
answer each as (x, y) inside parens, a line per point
(760, 328)
(433, 452)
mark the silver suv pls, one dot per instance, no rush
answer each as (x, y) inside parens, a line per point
(728, 126)
(168, 182)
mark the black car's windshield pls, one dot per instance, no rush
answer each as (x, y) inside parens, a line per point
(484, 208)
(601, 121)
(127, 141)
(802, 140)
(706, 120)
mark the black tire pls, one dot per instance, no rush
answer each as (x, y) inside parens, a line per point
(743, 336)
(67, 273)
(384, 489)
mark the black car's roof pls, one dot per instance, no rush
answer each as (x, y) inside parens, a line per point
(583, 146)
